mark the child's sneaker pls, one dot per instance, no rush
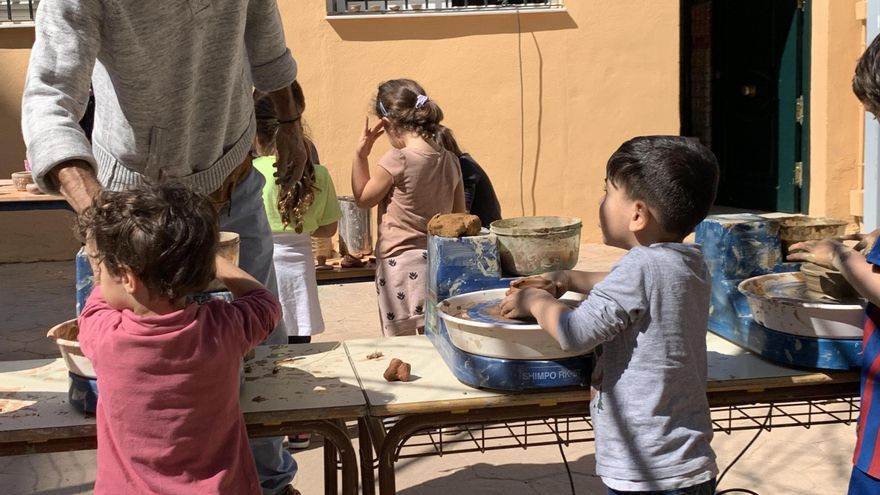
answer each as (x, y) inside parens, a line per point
(300, 441)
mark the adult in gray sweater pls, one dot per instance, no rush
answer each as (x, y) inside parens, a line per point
(173, 82)
(649, 408)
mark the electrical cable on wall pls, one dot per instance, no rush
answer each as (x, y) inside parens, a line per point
(522, 117)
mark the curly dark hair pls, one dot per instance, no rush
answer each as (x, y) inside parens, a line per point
(166, 234)
(675, 175)
(866, 81)
(399, 97)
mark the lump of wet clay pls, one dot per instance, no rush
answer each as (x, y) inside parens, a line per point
(454, 225)
(397, 370)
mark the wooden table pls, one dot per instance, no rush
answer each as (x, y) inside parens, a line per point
(12, 199)
(288, 390)
(436, 398)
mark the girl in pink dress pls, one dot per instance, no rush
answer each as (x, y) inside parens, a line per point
(415, 180)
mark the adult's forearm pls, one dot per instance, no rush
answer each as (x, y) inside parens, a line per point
(77, 182)
(285, 106)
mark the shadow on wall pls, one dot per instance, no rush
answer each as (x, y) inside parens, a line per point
(448, 26)
(15, 38)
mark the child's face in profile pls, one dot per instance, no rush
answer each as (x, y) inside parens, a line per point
(614, 217)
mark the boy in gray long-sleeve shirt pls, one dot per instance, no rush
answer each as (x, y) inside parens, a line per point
(649, 407)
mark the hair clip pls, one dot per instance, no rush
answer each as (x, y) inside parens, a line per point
(382, 109)
(421, 100)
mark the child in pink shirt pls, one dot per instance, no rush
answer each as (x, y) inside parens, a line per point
(168, 413)
(415, 180)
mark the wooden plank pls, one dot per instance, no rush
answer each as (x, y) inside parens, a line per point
(337, 272)
(9, 194)
(282, 384)
(435, 389)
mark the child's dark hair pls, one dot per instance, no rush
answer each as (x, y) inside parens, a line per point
(406, 105)
(447, 139)
(866, 81)
(676, 176)
(166, 234)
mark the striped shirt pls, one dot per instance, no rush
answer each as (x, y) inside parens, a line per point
(867, 453)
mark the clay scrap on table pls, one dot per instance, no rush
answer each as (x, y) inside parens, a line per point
(397, 370)
(454, 225)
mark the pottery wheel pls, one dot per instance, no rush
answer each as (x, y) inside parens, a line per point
(490, 312)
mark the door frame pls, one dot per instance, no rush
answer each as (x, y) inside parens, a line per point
(799, 197)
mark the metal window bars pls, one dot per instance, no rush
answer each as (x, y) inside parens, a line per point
(18, 11)
(361, 7)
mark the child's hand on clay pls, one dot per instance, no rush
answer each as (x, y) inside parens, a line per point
(824, 253)
(554, 283)
(519, 303)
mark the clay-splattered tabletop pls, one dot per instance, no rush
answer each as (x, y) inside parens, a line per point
(283, 383)
(434, 388)
(301, 382)
(33, 397)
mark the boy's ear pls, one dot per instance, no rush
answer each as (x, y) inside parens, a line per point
(130, 281)
(640, 216)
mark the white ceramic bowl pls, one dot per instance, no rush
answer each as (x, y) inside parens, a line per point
(65, 335)
(779, 302)
(508, 341)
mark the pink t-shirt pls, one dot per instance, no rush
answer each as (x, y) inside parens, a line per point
(168, 415)
(424, 185)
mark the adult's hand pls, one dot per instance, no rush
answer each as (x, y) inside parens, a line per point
(78, 183)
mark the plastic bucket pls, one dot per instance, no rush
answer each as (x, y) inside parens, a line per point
(355, 237)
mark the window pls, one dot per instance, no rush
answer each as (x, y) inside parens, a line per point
(17, 12)
(404, 7)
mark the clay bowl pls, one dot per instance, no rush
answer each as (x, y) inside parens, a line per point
(826, 283)
(799, 228)
(21, 179)
(66, 335)
(533, 245)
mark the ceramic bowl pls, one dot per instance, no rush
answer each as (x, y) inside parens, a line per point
(66, 336)
(826, 283)
(780, 302)
(21, 179)
(499, 339)
(532, 245)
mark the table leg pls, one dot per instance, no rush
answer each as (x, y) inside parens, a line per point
(410, 424)
(365, 440)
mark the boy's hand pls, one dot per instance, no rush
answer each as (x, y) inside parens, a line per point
(369, 137)
(553, 283)
(824, 253)
(519, 303)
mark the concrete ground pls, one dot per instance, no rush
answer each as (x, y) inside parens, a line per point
(796, 460)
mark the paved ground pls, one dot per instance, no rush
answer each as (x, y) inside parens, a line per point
(782, 461)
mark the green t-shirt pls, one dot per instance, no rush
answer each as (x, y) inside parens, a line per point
(323, 210)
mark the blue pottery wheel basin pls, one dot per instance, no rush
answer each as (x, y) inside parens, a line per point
(474, 325)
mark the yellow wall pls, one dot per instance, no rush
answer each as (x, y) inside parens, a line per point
(29, 235)
(834, 110)
(593, 76)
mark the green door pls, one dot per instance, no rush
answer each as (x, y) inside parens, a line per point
(757, 115)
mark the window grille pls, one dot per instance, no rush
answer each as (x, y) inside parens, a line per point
(403, 7)
(17, 12)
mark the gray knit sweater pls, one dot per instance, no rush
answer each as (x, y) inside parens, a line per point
(172, 82)
(649, 410)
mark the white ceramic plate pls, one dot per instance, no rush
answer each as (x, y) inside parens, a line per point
(779, 302)
(511, 340)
